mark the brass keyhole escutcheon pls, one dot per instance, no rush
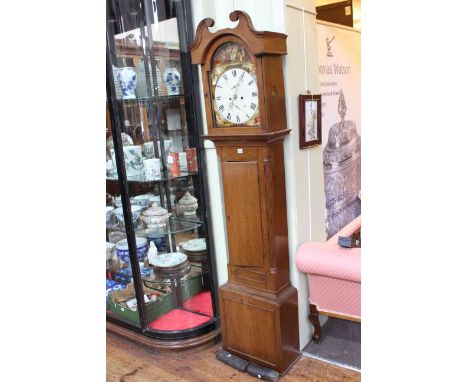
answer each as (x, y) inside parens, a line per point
(274, 92)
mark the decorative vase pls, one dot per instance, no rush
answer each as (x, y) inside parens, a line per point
(133, 160)
(172, 81)
(188, 204)
(191, 155)
(155, 217)
(127, 79)
(173, 164)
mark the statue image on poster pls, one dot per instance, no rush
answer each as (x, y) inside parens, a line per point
(342, 172)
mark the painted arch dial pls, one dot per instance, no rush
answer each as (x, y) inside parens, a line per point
(236, 96)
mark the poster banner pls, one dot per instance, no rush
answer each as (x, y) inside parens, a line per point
(339, 59)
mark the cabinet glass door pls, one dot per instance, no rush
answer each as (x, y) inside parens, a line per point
(153, 176)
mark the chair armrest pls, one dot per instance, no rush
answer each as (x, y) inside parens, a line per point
(347, 230)
(329, 260)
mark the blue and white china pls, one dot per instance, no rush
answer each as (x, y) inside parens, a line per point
(136, 212)
(188, 204)
(172, 81)
(158, 237)
(124, 253)
(112, 285)
(109, 210)
(127, 79)
(118, 90)
(133, 160)
(141, 200)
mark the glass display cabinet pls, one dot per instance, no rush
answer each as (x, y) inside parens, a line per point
(159, 270)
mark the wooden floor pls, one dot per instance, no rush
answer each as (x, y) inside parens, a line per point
(128, 362)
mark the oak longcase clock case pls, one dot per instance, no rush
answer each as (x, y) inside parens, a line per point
(243, 89)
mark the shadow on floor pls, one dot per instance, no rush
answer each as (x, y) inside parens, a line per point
(340, 343)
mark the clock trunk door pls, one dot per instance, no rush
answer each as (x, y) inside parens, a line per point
(243, 213)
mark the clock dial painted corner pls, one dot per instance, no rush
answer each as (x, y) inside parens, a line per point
(234, 88)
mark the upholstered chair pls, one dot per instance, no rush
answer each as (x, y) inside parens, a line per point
(334, 276)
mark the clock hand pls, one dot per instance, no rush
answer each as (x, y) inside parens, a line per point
(235, 93)
(234, 97)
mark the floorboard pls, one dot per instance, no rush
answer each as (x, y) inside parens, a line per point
(128, 362)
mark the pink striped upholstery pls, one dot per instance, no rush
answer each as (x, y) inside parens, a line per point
(335, 296)
(334, 273)
(330, 260)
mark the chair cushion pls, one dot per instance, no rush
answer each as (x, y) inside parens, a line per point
(330, 260)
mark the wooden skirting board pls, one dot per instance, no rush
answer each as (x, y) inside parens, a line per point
(342, 316)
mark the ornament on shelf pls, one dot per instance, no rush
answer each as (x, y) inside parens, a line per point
(188, 204)
(172, 81)
(127, 79)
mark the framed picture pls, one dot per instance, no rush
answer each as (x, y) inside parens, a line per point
(310, 120)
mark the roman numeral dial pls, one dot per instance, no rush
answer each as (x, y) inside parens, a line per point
(236, 96)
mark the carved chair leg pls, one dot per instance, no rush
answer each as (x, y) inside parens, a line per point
(314, 319)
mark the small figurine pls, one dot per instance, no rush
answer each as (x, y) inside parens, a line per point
(152, 251)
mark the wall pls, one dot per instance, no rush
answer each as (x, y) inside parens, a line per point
(303, 168)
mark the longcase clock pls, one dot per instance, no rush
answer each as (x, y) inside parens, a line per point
(246, 117)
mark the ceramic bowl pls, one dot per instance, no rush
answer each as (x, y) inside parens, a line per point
(168, 260)
(141, 200)
(109, 210)
(195, 245)
(124, 253)
(136, 212)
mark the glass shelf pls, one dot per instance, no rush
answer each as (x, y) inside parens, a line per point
(154, 282)
(175, 225)
(165, 176)
(188, 219)
(135, 101)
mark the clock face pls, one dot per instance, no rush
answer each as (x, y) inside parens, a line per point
(236, 96)
(234, 91)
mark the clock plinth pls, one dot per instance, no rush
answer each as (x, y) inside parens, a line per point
(258, 305)
(260, 327)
